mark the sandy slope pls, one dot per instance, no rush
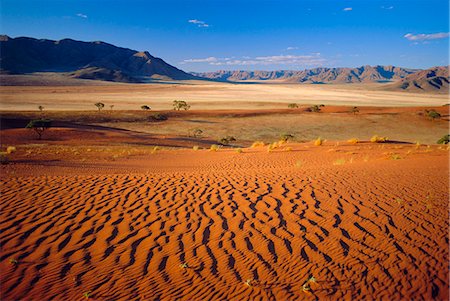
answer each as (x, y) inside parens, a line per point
(366, 226)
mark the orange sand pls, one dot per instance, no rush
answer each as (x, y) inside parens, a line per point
(364, 225)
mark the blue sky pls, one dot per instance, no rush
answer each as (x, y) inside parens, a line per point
(247, 35)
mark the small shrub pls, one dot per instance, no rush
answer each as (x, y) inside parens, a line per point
(99, 105)
(299, 164)
(318, 142)
(39, 126)
(378, 139)
(195, 147)
(155, 149)
(353, 141)
(292, 106)
(196, 133)
(432, 114)
(239, 150)
(354, 110)
(11, 149)
(288, 149)
(180, 105)
(315, 108)
(214, 147)
(444, 140)
(257, 144)
(286, 137)
(41, 108)
(87, 294)
(13, 261)
(158, 117)
(339, 162)
(184, 265)
(226, 140)
(248, 282)
(396, 157)
(145, 108)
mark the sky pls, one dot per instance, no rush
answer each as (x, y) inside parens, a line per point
(210, 35)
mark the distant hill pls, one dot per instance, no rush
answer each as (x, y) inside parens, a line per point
(87, 60)
(362, 74)
(431, 80)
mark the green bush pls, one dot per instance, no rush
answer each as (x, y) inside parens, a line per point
(444, 140)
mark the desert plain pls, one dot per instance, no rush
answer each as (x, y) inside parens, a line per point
(119, 205)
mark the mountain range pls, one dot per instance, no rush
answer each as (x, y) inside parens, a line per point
(103, 61)
(317, 75)
(87, 60)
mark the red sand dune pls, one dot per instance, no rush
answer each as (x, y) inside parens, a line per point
(367, 228)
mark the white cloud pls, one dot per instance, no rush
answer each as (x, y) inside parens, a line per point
(199, 23)
(425, 37)
(82, 15)
(387, 7)
(314, 59)
(210, 59)
(348, 9)
(292, 48)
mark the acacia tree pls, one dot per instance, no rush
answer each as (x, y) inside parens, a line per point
(39, 126)
(41, 108)
(180, 105)
(99, 105)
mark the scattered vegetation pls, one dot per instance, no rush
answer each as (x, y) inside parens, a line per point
(180, 105)
(378, 139)
(353, 141)
(292, 106)
(432, 114)
(39, 126)
(444, 140)
(354, 110)
(145, 108)
(226, 140)
(99, 105)
(41, 108)
(318, 142)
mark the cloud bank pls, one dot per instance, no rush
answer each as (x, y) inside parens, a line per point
(426, 37)
(314, 59)
(199, 23)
